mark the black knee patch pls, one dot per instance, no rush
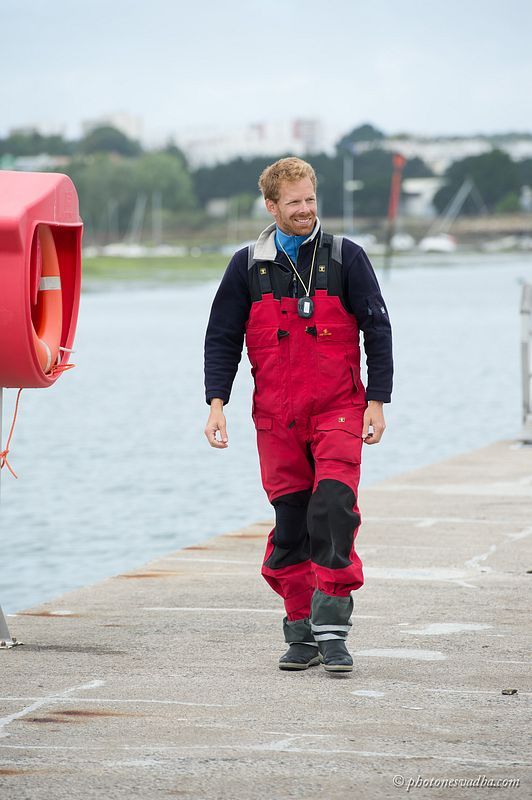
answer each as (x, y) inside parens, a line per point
(290, 538)
(332, 523)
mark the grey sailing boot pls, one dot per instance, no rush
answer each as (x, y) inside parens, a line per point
(302, 652)
(330, 623)
(335, 657)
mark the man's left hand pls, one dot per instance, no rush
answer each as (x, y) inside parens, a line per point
(374, 418)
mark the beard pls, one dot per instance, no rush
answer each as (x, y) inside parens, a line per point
(291, 227)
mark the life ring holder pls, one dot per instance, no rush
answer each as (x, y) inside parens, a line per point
(46, 299)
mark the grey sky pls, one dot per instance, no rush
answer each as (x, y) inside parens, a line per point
(425, 66)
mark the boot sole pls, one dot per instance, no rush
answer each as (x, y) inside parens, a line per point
(336, 667)
(293, 665)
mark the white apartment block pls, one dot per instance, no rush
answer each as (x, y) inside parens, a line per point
(302, 137)
(439, 153)
(207, 147)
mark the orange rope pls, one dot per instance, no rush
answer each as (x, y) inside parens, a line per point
(57, 370)
(3, 455)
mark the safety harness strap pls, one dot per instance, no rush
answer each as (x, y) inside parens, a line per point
(330, 249)
(263, 269)
(323, 258)
(264, 278)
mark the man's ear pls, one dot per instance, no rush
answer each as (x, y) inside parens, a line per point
(271, 206)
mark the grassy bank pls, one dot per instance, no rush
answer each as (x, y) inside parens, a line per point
(104, 270)
(158, 268)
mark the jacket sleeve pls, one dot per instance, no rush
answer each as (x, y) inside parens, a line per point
(225, 331)
(366, 301)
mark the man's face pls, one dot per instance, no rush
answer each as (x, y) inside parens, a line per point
(295, 210)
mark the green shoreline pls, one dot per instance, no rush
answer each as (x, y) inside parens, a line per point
(211, 265)
(153, 267)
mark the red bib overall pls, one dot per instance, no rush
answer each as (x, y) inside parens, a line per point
(308, 408)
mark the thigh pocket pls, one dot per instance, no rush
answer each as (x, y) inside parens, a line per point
(263, 423)
(338, 436)
(264, 426)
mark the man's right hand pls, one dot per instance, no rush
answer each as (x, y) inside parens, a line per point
(215, 423)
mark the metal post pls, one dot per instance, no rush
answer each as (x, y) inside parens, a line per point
(157, 218)
(349, 169)
(526, 362)
(6, 640)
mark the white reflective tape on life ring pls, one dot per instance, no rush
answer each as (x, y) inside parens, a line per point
(49, 282)
(48, 356)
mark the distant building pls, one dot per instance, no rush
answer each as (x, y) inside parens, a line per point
(128, 124)
(305, 137)
(418, 195)
(207, 147)
(440, 152)
(518, 148)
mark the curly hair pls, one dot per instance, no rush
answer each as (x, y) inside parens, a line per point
(286, 169)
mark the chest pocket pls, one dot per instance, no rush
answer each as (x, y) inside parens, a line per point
(263, 352)
(260, 338)
(337, 333)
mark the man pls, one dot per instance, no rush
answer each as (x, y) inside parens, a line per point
(300, 298)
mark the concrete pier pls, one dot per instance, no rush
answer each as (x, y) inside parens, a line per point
(163, 682)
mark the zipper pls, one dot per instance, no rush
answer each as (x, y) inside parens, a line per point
(294, 287)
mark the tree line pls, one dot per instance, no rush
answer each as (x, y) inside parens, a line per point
(111, 171)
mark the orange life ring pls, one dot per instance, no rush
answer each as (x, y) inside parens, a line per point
(47, 313)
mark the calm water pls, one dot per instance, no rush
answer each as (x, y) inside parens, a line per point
(112, 462)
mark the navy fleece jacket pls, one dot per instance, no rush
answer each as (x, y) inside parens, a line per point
(360, 293)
